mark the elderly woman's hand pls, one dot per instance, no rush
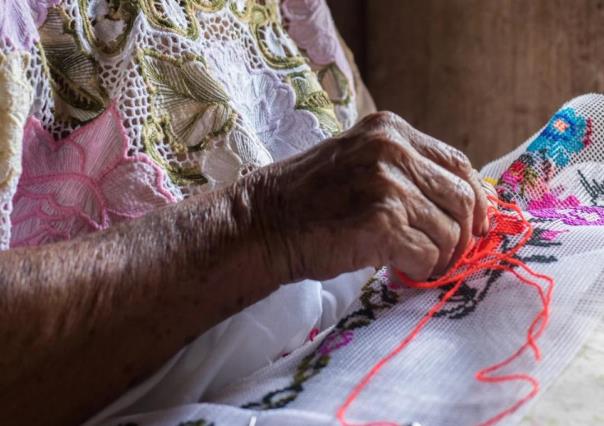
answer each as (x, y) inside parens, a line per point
(380, 194)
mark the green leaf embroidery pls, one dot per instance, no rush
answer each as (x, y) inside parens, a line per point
(265, 23)
(174, 15)
(154, 132)
(78, 94)
(208, 5)
(188, 109)
(310, 96)
(194, 105)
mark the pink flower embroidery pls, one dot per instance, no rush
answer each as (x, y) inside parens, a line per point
(19, 20)
(550, 235)
(569, 211)
(313, 334)
(335, 341)
(311, 26)
(550, 201)
(576, 216)
(83, 183)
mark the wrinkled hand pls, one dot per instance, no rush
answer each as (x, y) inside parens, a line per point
(380, 194)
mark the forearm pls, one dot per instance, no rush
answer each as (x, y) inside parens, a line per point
(81, 321)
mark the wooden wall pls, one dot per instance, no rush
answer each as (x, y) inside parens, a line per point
(482, 75)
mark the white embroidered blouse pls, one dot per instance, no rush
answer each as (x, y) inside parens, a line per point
(116, 108)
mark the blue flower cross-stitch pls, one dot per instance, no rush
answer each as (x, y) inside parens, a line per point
(566, 134)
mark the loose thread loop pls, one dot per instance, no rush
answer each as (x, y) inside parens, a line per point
(506, 220)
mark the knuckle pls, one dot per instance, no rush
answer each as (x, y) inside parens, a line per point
(420, 211)
(392, 148)
(459, 161)
(383, 217)
(374, 119)
(384, 119)
(381, 143)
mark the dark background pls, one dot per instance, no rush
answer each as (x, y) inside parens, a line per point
(482, 75)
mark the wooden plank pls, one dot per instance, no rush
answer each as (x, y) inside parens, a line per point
(482, 75)
(350, 19)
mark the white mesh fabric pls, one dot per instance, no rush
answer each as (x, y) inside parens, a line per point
(591, 106)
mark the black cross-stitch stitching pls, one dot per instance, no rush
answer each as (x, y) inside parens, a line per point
(595, 189)
(374, 299)
(468, 298)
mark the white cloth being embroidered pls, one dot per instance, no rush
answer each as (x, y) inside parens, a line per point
(432, 382)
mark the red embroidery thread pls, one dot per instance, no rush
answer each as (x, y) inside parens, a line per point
(480, 256)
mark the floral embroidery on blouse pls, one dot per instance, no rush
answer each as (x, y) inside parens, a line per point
(83, 183)
(203, 120)
(188, 110)
(566, 134)
(39, 9)
(73, 73)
